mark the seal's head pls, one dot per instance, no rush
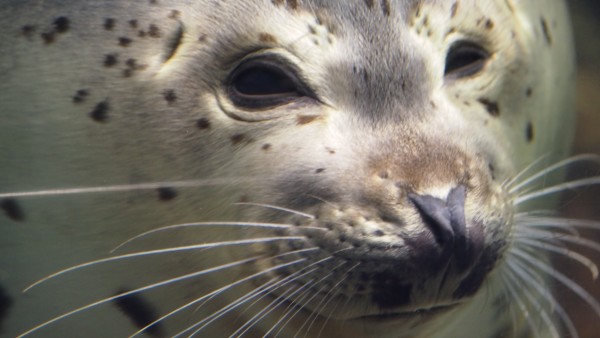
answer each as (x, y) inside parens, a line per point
(363, 151)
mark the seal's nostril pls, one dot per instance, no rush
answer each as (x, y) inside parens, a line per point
(437, 216)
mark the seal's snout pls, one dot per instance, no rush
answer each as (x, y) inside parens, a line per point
(446, 220)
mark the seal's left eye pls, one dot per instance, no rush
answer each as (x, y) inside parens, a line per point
(260, 84)
(465, 58)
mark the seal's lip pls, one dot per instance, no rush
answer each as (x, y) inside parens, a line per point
(403, 315)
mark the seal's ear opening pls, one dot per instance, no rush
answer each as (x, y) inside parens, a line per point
(464, 59)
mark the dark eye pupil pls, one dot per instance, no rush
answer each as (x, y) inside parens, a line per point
(263, 81)
(465, 59)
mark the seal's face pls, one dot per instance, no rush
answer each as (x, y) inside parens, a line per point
(378, 138)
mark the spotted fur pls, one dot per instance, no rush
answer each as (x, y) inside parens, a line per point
(376, 199)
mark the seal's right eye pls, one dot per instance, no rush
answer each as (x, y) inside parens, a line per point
(262, 84)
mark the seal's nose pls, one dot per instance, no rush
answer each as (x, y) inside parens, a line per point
(446, 220)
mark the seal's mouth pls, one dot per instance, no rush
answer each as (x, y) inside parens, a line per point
(403, 315)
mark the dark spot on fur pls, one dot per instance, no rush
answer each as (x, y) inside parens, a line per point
(166, 193)
(170, 96)
(266, 38)
(124, 42)
(61, 24)
(306, 119)
(111, 60)
(319, 170)
(492, 170)
(28, 30)
(203, 123)
(267, 147)
(12, 209)
(48, 37)
(489, 24)
(237, 138)
(202, 38)
(109, 24)
(154, 31)
(80, 96)
(100, 112)
(385, 6)
(454, 9)
(491, 106)
(389, 291)
(174, 14)
(141, 34)
(528, 92)
(330, 150)
(133, 23)
(529, 132)
(140, 312)
(293, 4)
(546, 31)
(370, 3)
(5, 304)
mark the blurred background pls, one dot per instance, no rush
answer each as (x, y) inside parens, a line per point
(585, 203)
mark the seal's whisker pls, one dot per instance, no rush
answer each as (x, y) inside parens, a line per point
(142, 289)
(588, 263)
(291, 306)
(515, 296)
(558, 222)
(557, 188)
(278, 301)
(328, 297)
(274, 207)
(526, 277)
(510, 181)
(554, 167)
(566, 281)
(224, 288)
(164, 251)
(276, 226)
(126, 187)
(553, 237)
(298, 274)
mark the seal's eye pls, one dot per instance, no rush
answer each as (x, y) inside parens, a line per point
(261, 84)
(464, 59)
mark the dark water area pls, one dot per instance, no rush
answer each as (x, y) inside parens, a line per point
(585, 203)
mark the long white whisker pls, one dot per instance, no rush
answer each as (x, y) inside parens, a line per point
(553, 237)
(558, 165)
(164, 251)
(329, 298)
(566, 281)
(516, 297)
(125, 187)
(336, 305)
(542, 290)
(527, 292)
(279, 284)
(270, 308)
(291, 211)
(228, 286)
(510, 181)
(558, 222)
(276, 226)
(557, 188)
(565, 252)
(138, 290)
(328, 275)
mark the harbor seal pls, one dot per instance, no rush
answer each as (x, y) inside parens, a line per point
(281, 167)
